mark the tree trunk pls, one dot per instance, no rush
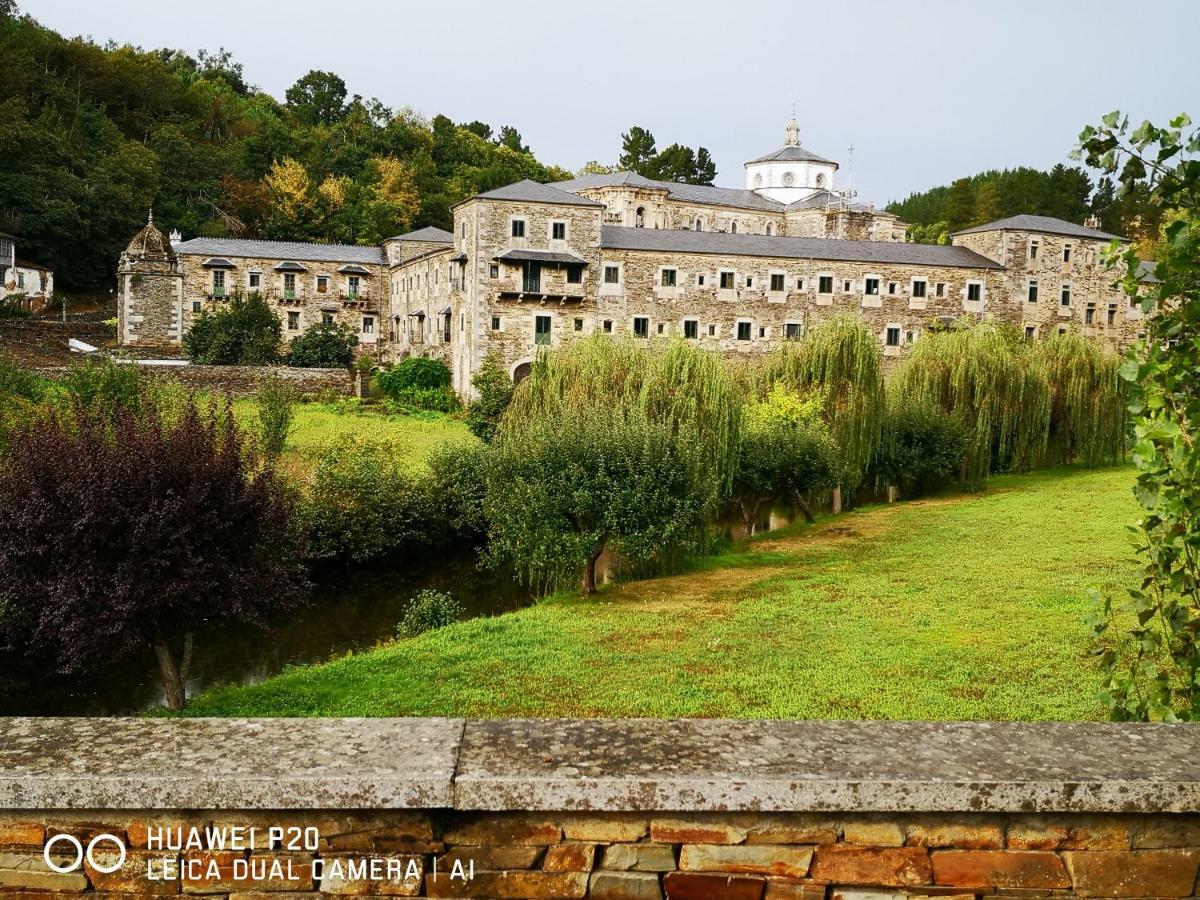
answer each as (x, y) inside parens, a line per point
(805, 509)
(749, 514)
(837, 499)
(174, 677)
(589, 569)
(891, 493)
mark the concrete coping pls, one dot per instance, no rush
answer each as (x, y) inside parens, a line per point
(603, 765)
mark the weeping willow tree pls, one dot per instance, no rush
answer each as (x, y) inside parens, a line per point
(839, 362)
(993, 383)
(607, 444)
(1088, 421)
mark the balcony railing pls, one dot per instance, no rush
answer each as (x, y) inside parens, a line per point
(283, 295)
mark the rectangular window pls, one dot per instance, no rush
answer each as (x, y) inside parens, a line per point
(531, 277)
(293, 320)
(712, 330)
(871, 286)
(608, 326)
(218, 282)
(641, 327)
(254, 281)
(777, 281)
(799, 284)
(792, 331)
(743, 331)
(368, 325)
(762, 332)
(1030, 332)
(326, 318)
(668, 278)
(845, 287)
(493, 271)
(612, 275)
(825, 284)
(662, 328)
(691, 329)
(1033, 288)
(749, 281)
(322, 284)
(891, 287)
(974, 291)
(1033, 248)
(726, 281)
(1112, 315)
(1066, 295)
(574, 274)
(918, 288)
(541, 330)
(700, 280)
(352, 287)
(892, 336)
(289, 285)
(558, 231)
(1066, 253)
(579, 324)
(196, 306)
(1089, 315)
(940, 290)
(495, 323)
(518, 228)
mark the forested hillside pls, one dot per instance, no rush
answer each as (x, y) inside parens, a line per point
(91, 137)
(1065, 192)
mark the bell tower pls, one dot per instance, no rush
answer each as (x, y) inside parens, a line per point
(149, 291)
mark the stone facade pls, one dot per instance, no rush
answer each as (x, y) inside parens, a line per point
(736, 270)
(21, 280)
(607, 856)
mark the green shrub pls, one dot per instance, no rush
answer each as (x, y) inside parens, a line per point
(12, 307)
(276, 400)
(324, 346)
(414, 372)
(17, 381)
(244, 332)
(426, 611)
(364, 503)
(494, 390)
(441, 399)
(115, 385)
(921, 447)
(458, 481)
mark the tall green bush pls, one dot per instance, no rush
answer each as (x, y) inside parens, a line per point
(839, 362)
(991, 381)
(494, 390)
(420, 382)
(276, 400)
(324, 345)
(1088, 419)
(105, 381)
(921, 446)
(607, 444)
(243, 332)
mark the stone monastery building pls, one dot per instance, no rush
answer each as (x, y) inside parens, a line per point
(736, 270)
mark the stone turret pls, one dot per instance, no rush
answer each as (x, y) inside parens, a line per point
(150, 290)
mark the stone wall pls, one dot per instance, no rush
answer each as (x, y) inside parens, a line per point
(608, 809)
(243, 381)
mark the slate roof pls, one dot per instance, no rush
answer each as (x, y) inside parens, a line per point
(429, 234)
(616, 237)
(547, 256)
(695, 193)
(338, 253)
(1045, 225)
(535, 192)
(824, 198)
(792, 153)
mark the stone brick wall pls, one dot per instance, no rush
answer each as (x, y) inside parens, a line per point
(242, 381)
(1111, 320)
(613, 856)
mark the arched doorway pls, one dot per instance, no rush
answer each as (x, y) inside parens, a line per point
(521, 371)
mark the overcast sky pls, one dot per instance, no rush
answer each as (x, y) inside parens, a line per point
(925, 91)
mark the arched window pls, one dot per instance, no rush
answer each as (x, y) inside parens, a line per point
(788, 179)
(698, 226)
(733, 227)
(639, 219)
(770, 230)
(758, 181)
(821, 180)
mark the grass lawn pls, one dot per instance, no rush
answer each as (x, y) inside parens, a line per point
(958, 607)
(318, 426)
